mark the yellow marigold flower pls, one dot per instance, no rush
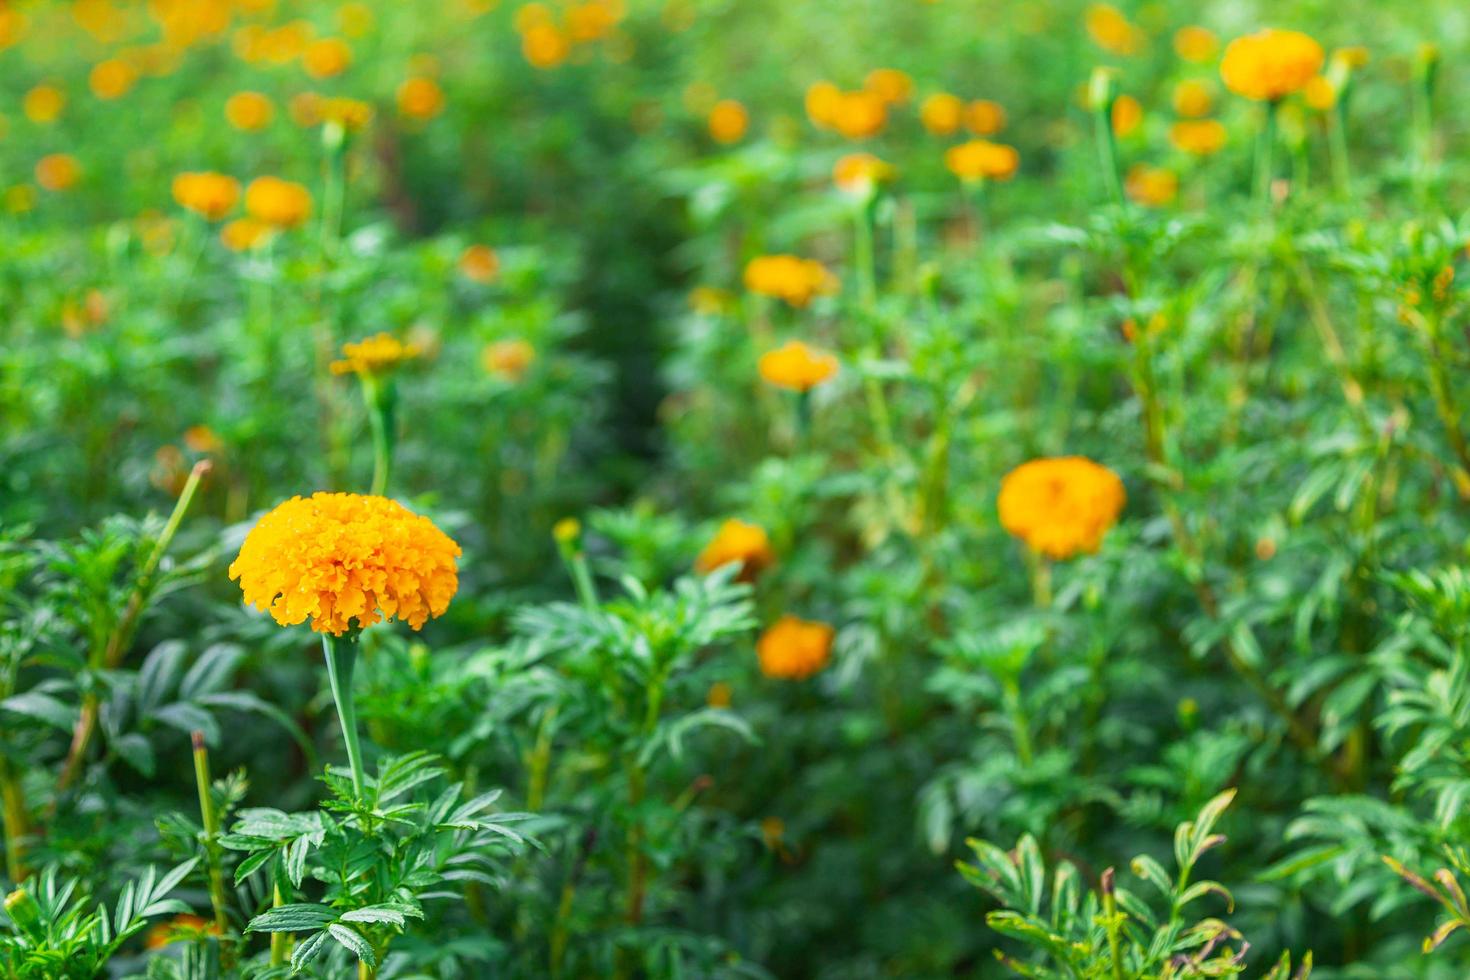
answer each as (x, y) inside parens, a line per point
(209, 195)
(982, 160)
(350, 114)
(794, 649)
(58, 171)
(243, 234)
(112, 79)
(591, 21)
(1151, 186)
(891, 85)
(12, 27)
(1271, 64)
(566, 530)
(544, 45)
(1060, 506)
(509, 359)
(1112, 31)
(1193, 97)
(43, 104)
(420, 98)
(737, 541)
(346, 561)
(788, 277)
(277, 203)
(377, 355)
(860, 115)
(531, 15)
(823, 100)
(861, 173)
(249, 111)
(1198, 136)
(305, 109)
(1127, 115)
(984, 117)
(796, 366)
(326, 58)
(728, 121)
(942, 113)
(479, 263)
(355, 19)
(1320, 93)
(1196, 44)
(202, 439)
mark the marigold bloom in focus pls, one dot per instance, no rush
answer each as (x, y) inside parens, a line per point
(377, 355)
(728, 121)
(1127, 115)
(58, 171)
(1270, 64)
(326, 58)
(249, 111)
(822, 102)
(43, 104)
(112, 79)
(278, 203)
(243, 234)
(1192, 97)
(1196, 44)
(860, 173)
(982, 160)
(788, 277)
(509, 359)
(794, 649)
(420, 98)
(737, 541)
(209, 195)
(984, 117)
(1112, 31)
(1061, 506)
(889, 84)
(1198, 136)
(942, 113)
(797, 366)
(346, 561)
(1151, 186)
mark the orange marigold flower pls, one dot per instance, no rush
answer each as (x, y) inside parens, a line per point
(1195, 43)
(243, 234)
(588, 22)
(12, 27)
(420, 98)
(891, 85)
(737, 541)
(202, 439)
(822, 102)
(982, 160)
(1112, 31)
(112, 79)
(1193, 97)
(1270, 64)
(1127, 115)
(794, 649)
(1151, 186)
(942, 113)
(209, 195)
(544, 45)
(277, 203)
(346, 561)
(1060, 506)
(788, 277)
(43, 104)
(479, 263)
(377, 355)
(861, 173)
(1320, 93)
(350, 114)
(58, 171)
(984, 117)
(249, 111)
(510, 358)
(326, 58)
(728, 121)
(1198, 136)
(860, 115)
(796, 366)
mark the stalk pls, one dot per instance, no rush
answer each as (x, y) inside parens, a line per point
(210, 819)
(280, 941)
(17, 821)
(1265, 157)
(341, 657)
(381, 396)
(1020, 729)
(1102, 93)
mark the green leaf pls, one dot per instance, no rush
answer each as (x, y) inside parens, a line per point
(359, 946)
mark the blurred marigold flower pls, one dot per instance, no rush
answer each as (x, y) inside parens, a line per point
(180, 928)
(861, 174)
(1060, 506)
(894, 87)
(326, 58)
(788, 277)
(1196, 44)
(822, 102)
(984, 117)
(1198, 136)
(942, 113)
(112, 79)
(860, 115)
(209, 195)
(544, 45)
(13, 25)
(202, 439)
(1320, 93)
(532, 15)
(1151, 186)
(509, 358)
(982, 160)
(709, 300)
(249, 111)
(479, 263)
(420, 98)
(737, 541)
(728, 121)
(1127, 115)
(587, 22)
(377, 355)
(58, 171)
(43, 104)
(1112, 31)
(1270, 64)
(794, 649)
(797, 366)
(346, 561)
(350, 114)
(243, 234)
(1193, 97)
(278, 203)
(306, 109)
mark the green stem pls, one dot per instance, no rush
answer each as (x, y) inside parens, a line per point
(1265, 153)
(1338, 147)
(864, 257)
(280, 941)
(1107, 150)
(1020, 730)
(380, 395)
(17, 822)
(341, 656)
(210, 819)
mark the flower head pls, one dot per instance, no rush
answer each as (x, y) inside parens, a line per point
(510, 358)
(982, 160)
(243, 234)
(859, 115)
(942, 113)
(209, 195)
(346, 561)
(1151, 186)
(861, 174)
(420, 98)
(822, 102)
(1192, 97)
(1060, 506)
(728, 121)
(43, 104)
(1270, 64)
(58, 171)
(794, 649)
(737, 541)
(891, 85)
(326, 58)
(249, 111)
(1198, 136)
(112, 79)
(1195, 43)
(788, 277)
(984, 117)
(796, 366)
(1112, 31)
(377, 355)
(277, 203)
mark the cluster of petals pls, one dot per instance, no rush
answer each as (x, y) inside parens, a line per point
(737, 541)
(1061, 506)
(793, 648)
(788, 277)
(797, 366)
(209, 195)
(376, 355)
(1271, 64)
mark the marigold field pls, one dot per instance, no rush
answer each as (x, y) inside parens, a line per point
(734, 489)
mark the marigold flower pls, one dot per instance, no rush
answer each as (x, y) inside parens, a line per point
(1271, 64)
(1060, 506)
(509, 359)
(202, 439)
(377, 355)
(479, 263)
(788, 277)
(1198, 136)
(209, 195)
(591, 21)
(1151, 186)
(861, 173)
(889, 84)
(179, 928)
(346, 561)
(43, 104)
(1320, 93)
(860, 115)
(1112, 31)
(243, 234)
(942, 113)
(794, 649)
(1127, 115)
(984, 117)
(1193, 97)
(982, 160)
(112, 79)
(249, 111)
(12, 27)
(1195, 43)
(737, 541)
(58, 171)
(822, 102)
(277, 203)
(420, 98)
(797, 366)
(728, 121)
(326, 58)
(350, 114)
(544, 45)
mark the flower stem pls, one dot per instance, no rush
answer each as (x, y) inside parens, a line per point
(280, 941)
(17, 822)
(341, 656)
(1020, 729)
(1265, 153)
(210, 819)
(380, 396)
